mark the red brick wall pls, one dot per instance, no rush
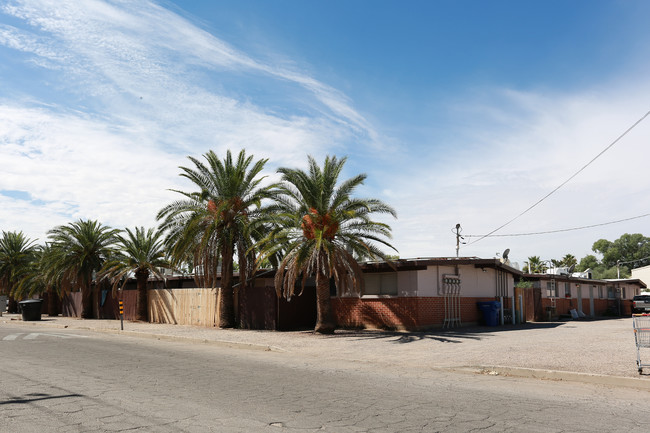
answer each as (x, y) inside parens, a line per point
(400, 313)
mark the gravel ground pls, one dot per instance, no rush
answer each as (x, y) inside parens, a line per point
(602, 347)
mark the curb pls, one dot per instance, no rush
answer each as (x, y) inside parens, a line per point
(569, 376)
(177, 338)
(166, 337)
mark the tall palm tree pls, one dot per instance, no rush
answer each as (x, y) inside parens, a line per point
(17, 255)
(142, 253)
(213, 222)
(79, 250)
(322, 231)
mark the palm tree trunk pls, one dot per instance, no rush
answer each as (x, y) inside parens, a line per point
(324, 321)
(86, 303)
(226, 304)
(51, 302)
(141, 278)
(96, 298)
(12, 305)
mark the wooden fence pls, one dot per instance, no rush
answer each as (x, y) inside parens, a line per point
(196, 307)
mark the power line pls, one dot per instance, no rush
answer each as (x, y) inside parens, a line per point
(566, 181)
(632, 261)
(559, 230)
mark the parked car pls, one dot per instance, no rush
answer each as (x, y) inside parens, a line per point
(641, 304)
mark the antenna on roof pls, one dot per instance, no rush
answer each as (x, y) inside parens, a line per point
(504, 257)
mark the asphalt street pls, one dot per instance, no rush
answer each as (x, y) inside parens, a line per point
(80, 381)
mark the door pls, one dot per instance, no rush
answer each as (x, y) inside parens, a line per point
(580, 299)
(537, 302)
(591, 301)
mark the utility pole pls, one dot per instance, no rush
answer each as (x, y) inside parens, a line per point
(458, 237)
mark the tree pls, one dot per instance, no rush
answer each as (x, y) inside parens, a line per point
(140, 252)
(588, 262)
(213, 223)
(17, 255)
(535, 265)
(79, 250)
(41, 277)
(632, 249)
(321, 229)
(569, 260)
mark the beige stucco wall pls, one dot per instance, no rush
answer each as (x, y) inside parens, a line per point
(474, 281)
(642, 274)
(477, 282)
(630, 289)
(428, 279)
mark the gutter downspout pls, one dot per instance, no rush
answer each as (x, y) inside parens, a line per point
(496, 282)
(514, 304)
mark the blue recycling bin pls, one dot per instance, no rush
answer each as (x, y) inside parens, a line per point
(490, 311)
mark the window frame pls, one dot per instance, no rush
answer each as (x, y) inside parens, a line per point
(611, 292)
(385, 285)
(551, 289)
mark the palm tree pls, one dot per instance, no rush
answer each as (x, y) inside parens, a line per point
(142, 253)
(213, 223)
(17, 254)
(569, 260)
(536, 265)
(323, 230)
(41, 277)
(79, 250)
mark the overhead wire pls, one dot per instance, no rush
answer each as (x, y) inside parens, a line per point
(562, 230)
(632, 261)
(566, 181)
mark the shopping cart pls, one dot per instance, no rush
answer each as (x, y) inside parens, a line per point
(641, 323)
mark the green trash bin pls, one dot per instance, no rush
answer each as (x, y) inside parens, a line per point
(31, 309)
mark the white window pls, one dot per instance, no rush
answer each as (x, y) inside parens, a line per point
(380, 284)
(610, 292)
(567, 290)
(600, 292)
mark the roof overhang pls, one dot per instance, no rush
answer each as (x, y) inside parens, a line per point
(419, 264)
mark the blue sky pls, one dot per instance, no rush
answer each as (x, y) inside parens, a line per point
(459, 112)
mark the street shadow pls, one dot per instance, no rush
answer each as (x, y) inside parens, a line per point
(32, 397)
(454, 336)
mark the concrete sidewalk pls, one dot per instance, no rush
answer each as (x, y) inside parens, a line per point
(600, 351)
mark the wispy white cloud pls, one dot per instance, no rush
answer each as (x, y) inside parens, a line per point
(517, 147)
(129, 48)
(126, 91)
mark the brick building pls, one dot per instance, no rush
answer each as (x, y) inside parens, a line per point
(557, 293)
(427, 292)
